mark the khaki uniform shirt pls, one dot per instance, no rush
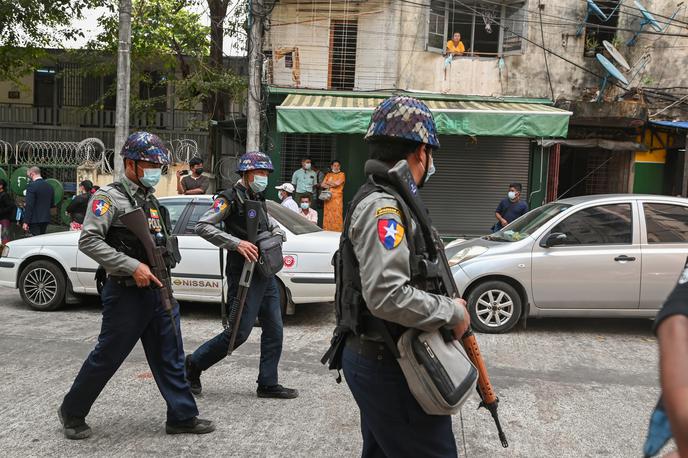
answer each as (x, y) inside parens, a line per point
(379, 240)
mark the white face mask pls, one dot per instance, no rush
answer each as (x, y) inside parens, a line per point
(307, 166)
(512, 195)
(305, 205)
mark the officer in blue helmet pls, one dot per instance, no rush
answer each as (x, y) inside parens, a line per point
(132, 309)
(263, 300)
(382, 292)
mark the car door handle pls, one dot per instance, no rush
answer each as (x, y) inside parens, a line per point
(624, 258)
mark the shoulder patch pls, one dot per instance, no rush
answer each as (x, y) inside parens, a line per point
(100, 205)
(387, 211)
(220, 204)
(684, 277)
(390, 233)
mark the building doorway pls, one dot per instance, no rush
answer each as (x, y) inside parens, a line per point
(585, 172)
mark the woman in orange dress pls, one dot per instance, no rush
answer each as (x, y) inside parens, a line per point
(334, 207)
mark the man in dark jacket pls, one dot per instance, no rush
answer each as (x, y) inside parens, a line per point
(77, 207)
(39, 201)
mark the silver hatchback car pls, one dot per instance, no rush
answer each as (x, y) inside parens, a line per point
(592, 256)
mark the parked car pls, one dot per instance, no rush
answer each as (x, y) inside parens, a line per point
(592, 256)
(49, 269)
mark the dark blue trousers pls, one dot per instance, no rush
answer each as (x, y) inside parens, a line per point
(392, 422)
(262, 301)
(130, 314)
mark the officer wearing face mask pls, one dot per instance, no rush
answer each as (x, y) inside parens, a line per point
(263, 300)
(382, 290)
(132, 309)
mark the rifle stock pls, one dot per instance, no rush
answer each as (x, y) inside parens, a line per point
(137, 223)
(252, 209)
(401, 174)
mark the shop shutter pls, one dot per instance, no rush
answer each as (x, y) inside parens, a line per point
(472, 177)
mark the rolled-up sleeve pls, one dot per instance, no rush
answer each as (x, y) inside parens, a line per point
(380, 244)
(100, 213)
(206, 226)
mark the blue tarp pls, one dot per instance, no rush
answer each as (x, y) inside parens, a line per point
(674, 124)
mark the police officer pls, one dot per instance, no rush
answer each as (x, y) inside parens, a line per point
(670, 417)
(381, 292)
(263, 300)
(132, 308)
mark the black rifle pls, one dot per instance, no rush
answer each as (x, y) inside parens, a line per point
(137, 222)
(439, 268)
(253, 209)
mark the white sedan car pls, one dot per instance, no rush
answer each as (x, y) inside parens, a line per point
(49, 270)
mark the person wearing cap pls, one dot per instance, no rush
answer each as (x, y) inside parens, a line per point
(194, 182)
(285, 192)
(382, 292)
(263, 299)
(131, 303)
(77, 207)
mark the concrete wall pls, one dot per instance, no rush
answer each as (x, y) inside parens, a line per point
(306, 26)
(25, 89)
(392, 51)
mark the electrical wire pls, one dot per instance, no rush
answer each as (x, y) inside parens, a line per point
(544, 51)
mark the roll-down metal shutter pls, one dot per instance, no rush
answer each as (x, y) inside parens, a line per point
(472, 177)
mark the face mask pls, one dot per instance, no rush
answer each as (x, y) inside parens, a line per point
(150, 177)
(512, 195)
(199, 170)
(335, 170)
(307, 166)
(259, 183)
(305, 205)
(429, 171)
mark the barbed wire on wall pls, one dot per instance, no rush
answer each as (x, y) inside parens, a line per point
(183, 149)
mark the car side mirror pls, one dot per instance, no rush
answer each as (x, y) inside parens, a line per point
(553, 239)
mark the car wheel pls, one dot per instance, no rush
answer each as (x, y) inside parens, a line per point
(42, 286)
(495, 307)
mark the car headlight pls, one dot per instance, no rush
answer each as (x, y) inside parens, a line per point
(5, 251)
(466, 254)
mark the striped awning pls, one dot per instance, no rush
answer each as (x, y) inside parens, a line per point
(326, 114)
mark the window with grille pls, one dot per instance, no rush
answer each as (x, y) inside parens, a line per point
(487, 28)
(343, 37)
(598, 29)
(319, 148)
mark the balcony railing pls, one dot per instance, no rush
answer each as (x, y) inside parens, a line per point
(79, 117)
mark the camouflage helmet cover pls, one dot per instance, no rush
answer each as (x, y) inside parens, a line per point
(404, 118)
(254, 160)
(147, 147)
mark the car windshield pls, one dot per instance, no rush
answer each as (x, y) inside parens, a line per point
(294, 222)
(528, 223)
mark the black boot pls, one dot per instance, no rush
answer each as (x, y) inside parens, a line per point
(276, 391)
(193, 376)
(193, 426)
(73, 427)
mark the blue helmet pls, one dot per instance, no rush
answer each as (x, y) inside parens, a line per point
(405, 118)
(254, 160)
(147, 147)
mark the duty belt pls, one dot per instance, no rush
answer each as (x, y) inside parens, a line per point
(123, 281)
(369, 349)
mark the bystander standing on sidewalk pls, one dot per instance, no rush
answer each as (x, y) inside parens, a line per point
(7, 210)
(306, 211)
(39, 201)
(510, 208)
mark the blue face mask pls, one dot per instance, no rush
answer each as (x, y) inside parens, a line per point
(259, 183)
(305, 205)
(150, 177)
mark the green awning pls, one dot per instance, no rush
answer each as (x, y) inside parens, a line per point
(326, 114)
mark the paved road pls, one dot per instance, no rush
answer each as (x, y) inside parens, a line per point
(569, 388)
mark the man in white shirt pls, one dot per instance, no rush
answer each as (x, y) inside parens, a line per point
(306, 211)
(285, 192)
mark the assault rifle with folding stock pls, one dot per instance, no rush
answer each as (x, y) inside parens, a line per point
(137, 222)
(439, 269)
(232, 318)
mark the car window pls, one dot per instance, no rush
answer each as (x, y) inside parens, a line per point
(294, 222)
(600, 225)
(529, 223)
(666, 223)
(175, 208)
(197, 211)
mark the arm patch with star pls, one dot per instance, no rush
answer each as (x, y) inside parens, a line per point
(390, 232)
(220, 204)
